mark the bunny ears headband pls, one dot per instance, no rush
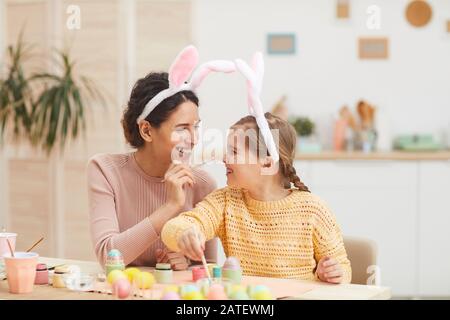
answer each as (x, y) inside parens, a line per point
(184, 65)
(180, 71)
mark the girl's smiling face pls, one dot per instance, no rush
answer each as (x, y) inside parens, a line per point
(243, 168)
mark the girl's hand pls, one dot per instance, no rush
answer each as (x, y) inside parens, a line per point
(329, 270)
(192, 243)
(176, 260)
(176, 177)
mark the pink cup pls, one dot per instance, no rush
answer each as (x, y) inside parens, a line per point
(21, 271)
(4, 249)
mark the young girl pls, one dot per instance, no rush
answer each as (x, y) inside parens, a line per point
(275, 230)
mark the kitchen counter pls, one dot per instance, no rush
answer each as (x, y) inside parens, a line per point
(377, 155)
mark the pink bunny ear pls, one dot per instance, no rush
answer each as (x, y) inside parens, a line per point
(258, 69)
(211, 66)
(182, 67)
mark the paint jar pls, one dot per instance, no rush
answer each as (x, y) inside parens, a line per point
(41, 274)
(217, 272)
(163, 273)
(58, 276)
(198, 273)
(211, 267)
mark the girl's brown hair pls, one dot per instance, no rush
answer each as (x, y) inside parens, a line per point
(287, 142)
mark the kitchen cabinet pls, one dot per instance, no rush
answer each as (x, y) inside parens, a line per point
(434, 231)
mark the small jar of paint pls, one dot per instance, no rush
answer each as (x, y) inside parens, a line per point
(58, 276)
(198, 273)
(163, 273)
(217, 272)
(41, 274)
(210, 267)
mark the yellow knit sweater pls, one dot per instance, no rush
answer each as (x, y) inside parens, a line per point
(284, 238)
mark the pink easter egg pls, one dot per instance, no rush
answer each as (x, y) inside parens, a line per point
(171, 296)
(216, 292)
(121, 288)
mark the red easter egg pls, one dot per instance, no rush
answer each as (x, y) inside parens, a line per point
(121, 288)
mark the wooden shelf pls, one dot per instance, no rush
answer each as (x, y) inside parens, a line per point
(388, 155)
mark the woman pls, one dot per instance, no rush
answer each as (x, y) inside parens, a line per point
(132, 195)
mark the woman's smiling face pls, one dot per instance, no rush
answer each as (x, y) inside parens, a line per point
(176, 136)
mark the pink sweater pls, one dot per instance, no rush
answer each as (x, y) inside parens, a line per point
(121, 197)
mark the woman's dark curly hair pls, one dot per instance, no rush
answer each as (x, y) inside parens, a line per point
(144, 90)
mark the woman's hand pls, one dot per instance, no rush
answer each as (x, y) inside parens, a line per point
(329, 270)
(176, 177)
(176, 260)
(192, 243)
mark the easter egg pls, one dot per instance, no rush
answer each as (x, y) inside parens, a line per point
(114, 253)
(144, 280)
(192, 295)
(231, 263)
(237, 287)
(170, 295)
(228, 287)
(239, 295)
(262, 295)
(216, 292)
(260, 288)
(171, 288)
(115, 275)
(131, 273)
(232, 273)
(188, 288)
(217, 296)
(121, 288)
(261, 292)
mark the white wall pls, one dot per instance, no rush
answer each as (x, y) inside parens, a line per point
(412, 86)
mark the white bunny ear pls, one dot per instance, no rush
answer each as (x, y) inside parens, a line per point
(182, 67)
(208, 67)
(254, 78)
(246, 71)
(258, 69)
(249, 74)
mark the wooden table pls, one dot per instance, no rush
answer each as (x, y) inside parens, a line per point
(281, 288)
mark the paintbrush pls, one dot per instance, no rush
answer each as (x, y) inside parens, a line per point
(10, 248)
(35, 244)
(205, 265)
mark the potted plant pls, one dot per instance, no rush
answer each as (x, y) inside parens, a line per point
(306, 142)
(45, 107)
(15, 94)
